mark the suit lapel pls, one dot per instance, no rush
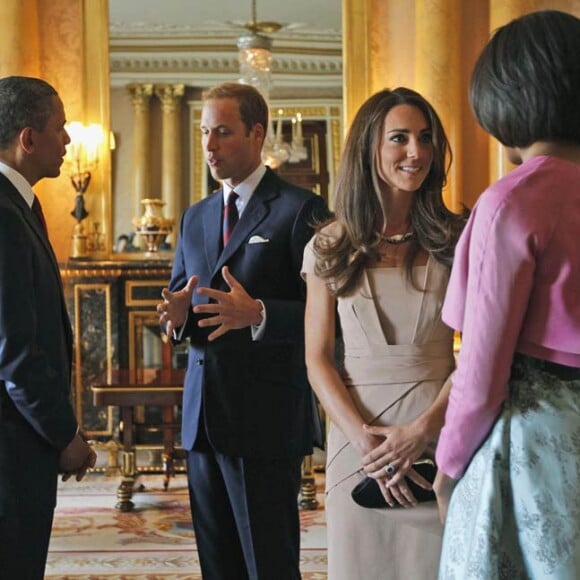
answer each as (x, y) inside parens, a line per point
(253, 215)
(14, 196)
(39, 232)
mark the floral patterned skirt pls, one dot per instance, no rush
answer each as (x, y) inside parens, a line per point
(515, 514)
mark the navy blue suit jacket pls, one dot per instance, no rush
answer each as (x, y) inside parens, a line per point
(256, 398)
(36, 416)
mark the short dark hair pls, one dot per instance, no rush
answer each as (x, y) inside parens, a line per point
(24, 102)
(252, 105)
(526, 83)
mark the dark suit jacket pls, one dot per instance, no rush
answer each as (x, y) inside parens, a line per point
(256, 398)
(36, 417)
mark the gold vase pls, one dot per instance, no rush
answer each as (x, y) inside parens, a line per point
(152, 225)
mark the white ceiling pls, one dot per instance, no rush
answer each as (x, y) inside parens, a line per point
(194, 42)
(304, 15)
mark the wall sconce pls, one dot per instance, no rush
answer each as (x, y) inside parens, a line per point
(82, 158)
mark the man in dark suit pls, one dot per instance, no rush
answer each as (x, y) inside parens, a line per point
(39, 434)
(247, 406)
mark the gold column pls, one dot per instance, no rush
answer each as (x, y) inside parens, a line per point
(392, 43)
(501, 12)
(170, 97)
(141, 101)
(97, 105)
(19, 54)
(356, 56)
(437, 75)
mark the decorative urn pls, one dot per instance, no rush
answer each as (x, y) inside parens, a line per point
(152, 225)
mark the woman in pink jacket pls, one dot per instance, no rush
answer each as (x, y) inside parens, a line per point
(512, 427)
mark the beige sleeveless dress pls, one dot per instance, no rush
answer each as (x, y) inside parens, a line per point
(398, 354)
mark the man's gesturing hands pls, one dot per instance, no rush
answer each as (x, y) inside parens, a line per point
(173, 310)
(231, 310)
(228, 310)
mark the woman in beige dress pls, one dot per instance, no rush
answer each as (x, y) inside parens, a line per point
(384, 261)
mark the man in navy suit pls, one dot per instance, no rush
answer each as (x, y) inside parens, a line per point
(237, 294)
(39, 435)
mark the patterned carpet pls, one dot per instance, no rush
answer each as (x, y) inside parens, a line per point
(92, 541)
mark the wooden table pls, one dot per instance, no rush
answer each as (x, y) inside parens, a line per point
(129, 389)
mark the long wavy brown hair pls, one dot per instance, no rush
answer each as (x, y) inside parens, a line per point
(352, 244)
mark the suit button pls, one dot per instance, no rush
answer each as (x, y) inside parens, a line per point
(199, 362)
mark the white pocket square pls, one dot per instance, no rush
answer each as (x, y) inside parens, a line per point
(258, 240)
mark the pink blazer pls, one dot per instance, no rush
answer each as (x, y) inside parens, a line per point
(515, 287)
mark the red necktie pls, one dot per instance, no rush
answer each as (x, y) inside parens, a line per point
(37, 211)
(230, 217)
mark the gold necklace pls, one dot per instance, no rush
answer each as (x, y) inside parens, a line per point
(398, 238)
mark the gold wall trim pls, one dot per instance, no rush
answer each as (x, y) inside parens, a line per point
(145, 388)
(131, 284)
(90, 273)
(337, 141)
(306, 112)
(138, 319)
(108, 273)
(198, 167)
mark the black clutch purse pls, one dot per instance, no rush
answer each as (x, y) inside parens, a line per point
(368, 494)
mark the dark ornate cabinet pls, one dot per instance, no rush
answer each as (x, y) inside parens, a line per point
(115, 325)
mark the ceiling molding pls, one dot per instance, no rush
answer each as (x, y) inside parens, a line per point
(148, 30)
(205, 59)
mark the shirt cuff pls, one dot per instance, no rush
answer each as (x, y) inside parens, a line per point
(258, 330)
(178, 332)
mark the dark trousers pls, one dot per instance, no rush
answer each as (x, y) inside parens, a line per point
(24, 538)
(245, 516)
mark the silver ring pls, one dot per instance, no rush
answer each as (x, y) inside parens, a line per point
(390, 469)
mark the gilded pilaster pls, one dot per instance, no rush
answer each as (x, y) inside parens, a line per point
(357, 66)
(437, 75)
(98, 110)
(61, 62)
(19, 25)
(170, 98)
(392, 44)
(141, 101)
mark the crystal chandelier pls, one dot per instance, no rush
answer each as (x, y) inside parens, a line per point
(255, 58)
